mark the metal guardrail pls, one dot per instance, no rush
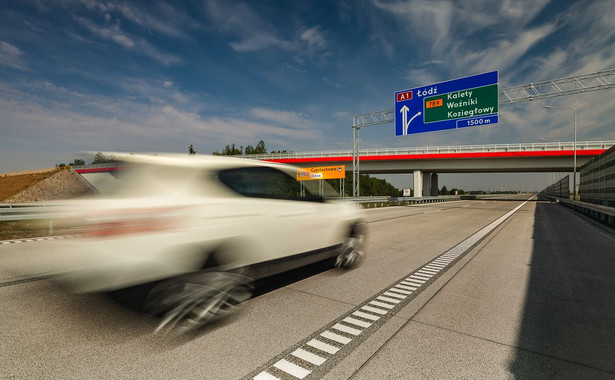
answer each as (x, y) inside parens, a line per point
(50, 211)
(485, 148)
(33, 211)
(603, 214)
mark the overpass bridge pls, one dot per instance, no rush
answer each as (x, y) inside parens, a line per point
(426, 162)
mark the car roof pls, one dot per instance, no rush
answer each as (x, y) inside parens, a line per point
(202, 161)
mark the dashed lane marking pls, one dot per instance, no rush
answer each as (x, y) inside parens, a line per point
(29, 240)
(338, 338)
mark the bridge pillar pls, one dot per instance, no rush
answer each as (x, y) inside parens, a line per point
(418, 184)
(426, 184)
(434, 185)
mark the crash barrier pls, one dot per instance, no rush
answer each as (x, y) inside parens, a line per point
(602, 214)
(373, 202)
(560, 189)
(35, 211)
(36, 171)
(597, 184)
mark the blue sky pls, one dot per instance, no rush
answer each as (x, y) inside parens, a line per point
(154, 76)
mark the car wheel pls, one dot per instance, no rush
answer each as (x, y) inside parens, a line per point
(189, 301)
(351, 253)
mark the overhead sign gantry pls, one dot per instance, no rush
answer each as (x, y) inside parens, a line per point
(458, 103)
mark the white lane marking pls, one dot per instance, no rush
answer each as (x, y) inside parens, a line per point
(366, 316)
(265, 376)
(428, 272)
(356, 322)
(28, 240)
(374, 310)
(435, 267)
(388, 293)
(292, 369)
(335, 337)
(382, 304)
(401, 285)
(346, 329)
(322, 346)
(415, 279)
(413, 282)
(308, 356)
(387, 299)
(398, 289)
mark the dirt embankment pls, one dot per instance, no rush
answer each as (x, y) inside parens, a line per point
(46, 187)
(11, 185)
(37, 188)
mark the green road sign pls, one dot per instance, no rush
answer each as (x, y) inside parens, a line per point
(462, 104)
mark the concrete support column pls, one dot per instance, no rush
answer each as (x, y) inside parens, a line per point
(418, 183)
(434, 185)
(426, 184)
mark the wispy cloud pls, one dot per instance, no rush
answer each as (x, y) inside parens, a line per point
(95, 122)
(110, 32)
(284, 118)
(11, 56)
(252, 32)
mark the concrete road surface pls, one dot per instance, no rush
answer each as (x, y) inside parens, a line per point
(531, 295)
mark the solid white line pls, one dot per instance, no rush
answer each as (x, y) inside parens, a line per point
(356, 322)
(381, 304)
(308, 356)
(292, 369)
(387, 299)
(265, 376)
(335, 337)
(346, 329)
(322, 346)
(374, 310)
(366, 316)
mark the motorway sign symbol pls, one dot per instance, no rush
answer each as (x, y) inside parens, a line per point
(458, 103)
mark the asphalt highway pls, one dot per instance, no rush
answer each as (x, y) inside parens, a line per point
(483, 289)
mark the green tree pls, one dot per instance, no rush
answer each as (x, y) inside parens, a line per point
(100, 158)
(191, 150)
(232, 150)
(444, 191)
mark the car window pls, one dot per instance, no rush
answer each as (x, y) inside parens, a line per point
(264, 182)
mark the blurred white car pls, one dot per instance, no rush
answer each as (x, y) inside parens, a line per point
(184, 237)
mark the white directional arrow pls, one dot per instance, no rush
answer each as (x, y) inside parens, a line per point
(405, 122)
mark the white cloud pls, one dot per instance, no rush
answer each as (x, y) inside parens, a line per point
(97, 122)
(111, 33)
(11, 56)
(314, 38)
(285, 118)
(251, 32)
